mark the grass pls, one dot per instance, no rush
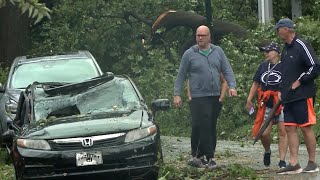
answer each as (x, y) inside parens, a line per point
(178, 170)
(6, 167)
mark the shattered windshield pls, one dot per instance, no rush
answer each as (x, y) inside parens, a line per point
(59, 70)
(115, 95)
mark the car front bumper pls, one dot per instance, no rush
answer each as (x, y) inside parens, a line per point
(137, 157)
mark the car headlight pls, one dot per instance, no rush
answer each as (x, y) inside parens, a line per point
(11, 106)
(140, 133)
(33, 144)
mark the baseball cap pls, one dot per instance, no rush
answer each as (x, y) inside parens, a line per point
(270, 47)
(286, 22)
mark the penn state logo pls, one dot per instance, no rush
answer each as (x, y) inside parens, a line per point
(271, 78)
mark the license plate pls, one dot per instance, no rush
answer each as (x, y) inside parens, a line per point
(89, 158)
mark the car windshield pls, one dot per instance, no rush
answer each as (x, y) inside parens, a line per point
(115, 95)
(59, 70)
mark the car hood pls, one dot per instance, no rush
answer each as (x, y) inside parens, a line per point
(86, 126)
(14, 94)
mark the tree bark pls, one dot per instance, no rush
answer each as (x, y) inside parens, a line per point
(14, 34)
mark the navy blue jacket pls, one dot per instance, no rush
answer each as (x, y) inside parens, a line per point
(299, 62)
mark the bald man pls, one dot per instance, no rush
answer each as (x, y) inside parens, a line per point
(202, 64)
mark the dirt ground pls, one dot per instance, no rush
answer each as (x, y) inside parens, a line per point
(243, 153)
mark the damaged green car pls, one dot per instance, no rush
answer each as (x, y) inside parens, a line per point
(101, 127)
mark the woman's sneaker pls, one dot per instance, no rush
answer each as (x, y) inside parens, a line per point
(311, 167)
(296, 169)
(266, 158)
(211, 164)
(282, 164)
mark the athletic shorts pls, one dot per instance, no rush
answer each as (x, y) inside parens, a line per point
(275, 119)
(299, 113)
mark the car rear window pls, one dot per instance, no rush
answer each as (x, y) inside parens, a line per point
(62, 70)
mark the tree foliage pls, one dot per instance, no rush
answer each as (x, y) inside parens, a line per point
(121, 42)
(33, 7)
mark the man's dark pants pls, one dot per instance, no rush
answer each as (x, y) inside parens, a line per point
(204, 112)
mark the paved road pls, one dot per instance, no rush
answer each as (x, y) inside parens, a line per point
(244, 153)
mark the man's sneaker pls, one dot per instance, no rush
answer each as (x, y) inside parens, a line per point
(196, 162)
(296, 169)
(311, 167)
(211, 164)
(204, 160)
(282, 164)
(266, 158)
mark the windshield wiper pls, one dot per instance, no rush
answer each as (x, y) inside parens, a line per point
(76, 88)
(53, 84)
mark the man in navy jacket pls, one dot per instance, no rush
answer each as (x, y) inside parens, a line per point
(299, 69)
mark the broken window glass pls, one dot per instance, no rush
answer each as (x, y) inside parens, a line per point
(61, 70)
(115, 95)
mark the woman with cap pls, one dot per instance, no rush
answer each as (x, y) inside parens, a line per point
(266, 82)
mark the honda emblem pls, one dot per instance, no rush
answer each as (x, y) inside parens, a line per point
(87, 142)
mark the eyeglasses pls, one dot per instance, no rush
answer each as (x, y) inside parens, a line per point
(202, 35)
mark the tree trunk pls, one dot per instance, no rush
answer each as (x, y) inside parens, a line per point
(14, 34)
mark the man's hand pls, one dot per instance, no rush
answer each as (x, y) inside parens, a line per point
(221, 99)
(189, 98)
(177, 101)
(249, 105)
(232, 92)
(295, 85)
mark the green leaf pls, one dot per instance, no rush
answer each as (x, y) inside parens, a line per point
(40, 16)
(2, 3)
(25, 7)
(46, 9)
(47, 15)
(35, 13)
(31, 10)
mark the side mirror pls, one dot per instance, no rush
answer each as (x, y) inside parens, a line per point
(7, 137)
(160, 104)
(108, 74)
(2, 90)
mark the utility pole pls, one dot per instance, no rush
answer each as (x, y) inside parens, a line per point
(296, 9)
(208, 12)
(265, 11)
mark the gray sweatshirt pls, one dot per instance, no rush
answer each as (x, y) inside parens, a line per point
(204, 72)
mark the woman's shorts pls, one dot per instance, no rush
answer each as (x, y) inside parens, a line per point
(275, 119)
